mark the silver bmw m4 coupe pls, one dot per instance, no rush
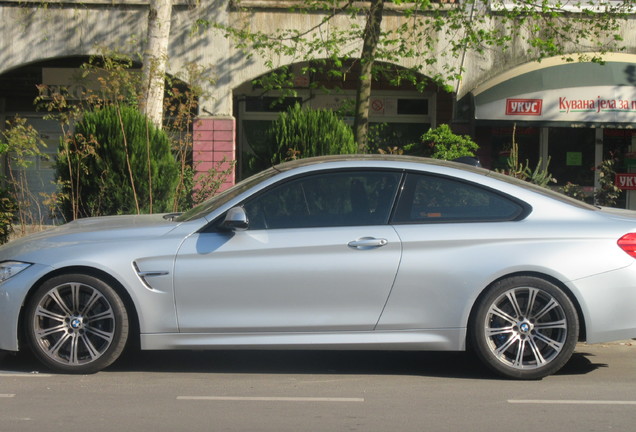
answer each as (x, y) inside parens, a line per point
(348, 252)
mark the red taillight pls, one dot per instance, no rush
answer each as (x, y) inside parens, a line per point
(628, 244)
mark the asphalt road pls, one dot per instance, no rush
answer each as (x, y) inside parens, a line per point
(320, 391)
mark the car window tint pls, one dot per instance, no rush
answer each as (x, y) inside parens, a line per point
(428, 198)
(342, 198)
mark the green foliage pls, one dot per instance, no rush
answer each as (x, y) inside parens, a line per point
(421, 27)
(7, 214)
(301, 132)
(539, 175)
(112, 85)
(20, 143)
(442, 143)
(607, 193)
(298, 133)
(116, 162)
(430, 36)
(382, 139)
(207, 184)
(575, 191)
(182, 104)
(260, 153)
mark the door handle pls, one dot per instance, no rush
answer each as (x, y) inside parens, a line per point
(368, 243)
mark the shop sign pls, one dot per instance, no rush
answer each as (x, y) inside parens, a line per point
(524, 107)
(302, 81)
(577, 104)
(625, 181)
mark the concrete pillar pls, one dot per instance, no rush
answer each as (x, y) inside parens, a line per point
(598, 155)
(631, 194)
(214, 146)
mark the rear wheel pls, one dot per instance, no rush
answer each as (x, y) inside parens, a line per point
(524, 328)
(76, 324)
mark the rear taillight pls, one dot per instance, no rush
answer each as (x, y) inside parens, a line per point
(628, 244)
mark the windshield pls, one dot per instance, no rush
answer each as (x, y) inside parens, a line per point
(216, 201)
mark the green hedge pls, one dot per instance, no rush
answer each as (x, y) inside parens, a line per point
(116, 163)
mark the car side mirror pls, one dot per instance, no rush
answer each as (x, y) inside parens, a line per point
(235, 220)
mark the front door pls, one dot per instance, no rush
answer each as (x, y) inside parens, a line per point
(319, 256)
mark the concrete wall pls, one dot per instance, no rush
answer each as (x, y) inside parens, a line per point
(33, 31)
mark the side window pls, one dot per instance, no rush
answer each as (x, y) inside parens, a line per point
(430, 199)
(340, 198)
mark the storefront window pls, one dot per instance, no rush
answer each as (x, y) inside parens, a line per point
(270, 104)
(384, 136)
(496, 143)
(571, 154)
(616, 145)
(396, 119)
(255, 152)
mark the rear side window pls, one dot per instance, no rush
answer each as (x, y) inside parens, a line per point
(431, 199)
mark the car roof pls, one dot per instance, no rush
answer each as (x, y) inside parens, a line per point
(298, 163)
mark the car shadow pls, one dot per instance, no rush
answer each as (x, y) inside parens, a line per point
(580, 364)
(443, 364)
(462, 365)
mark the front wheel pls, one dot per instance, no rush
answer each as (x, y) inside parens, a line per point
(524, 327)
(76, 324)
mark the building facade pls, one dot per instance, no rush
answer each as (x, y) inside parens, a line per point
(573, 115)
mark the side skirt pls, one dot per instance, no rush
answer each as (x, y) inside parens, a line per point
(453, 339)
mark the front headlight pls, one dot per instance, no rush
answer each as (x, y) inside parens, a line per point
(8, 269)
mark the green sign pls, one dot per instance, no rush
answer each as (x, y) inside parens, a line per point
(574, 158)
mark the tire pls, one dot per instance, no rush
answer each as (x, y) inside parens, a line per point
(524, 328)
(76, 324)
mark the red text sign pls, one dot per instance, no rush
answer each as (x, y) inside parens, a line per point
(524, 106)
(626, 181)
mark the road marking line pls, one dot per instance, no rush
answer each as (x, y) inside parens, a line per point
(24, 375)
(571, 402)
(269, 399)
(7, 395)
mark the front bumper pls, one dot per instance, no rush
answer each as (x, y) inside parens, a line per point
(13, 293)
